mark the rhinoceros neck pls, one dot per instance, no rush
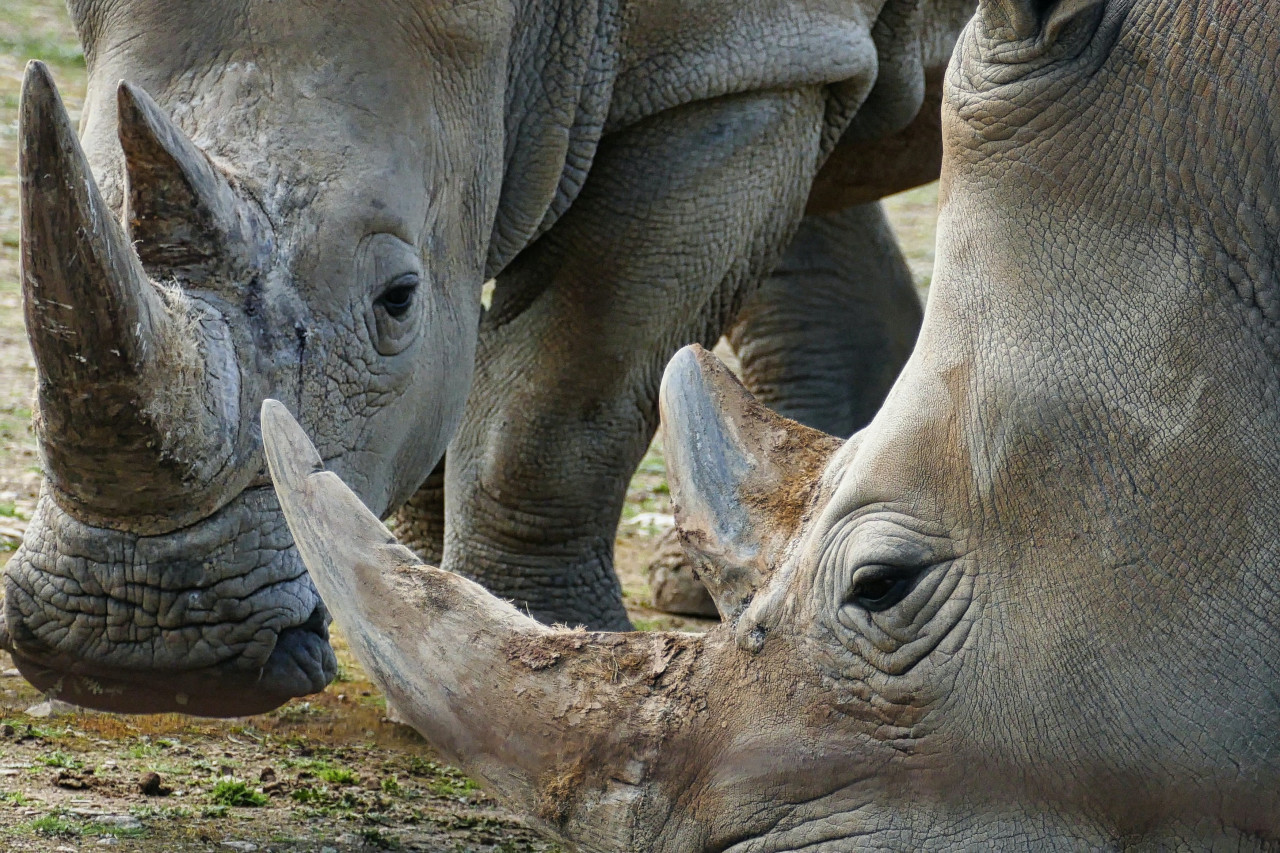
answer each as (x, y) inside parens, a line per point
(560, 82)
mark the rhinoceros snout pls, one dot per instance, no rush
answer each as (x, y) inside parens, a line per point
(218, 619)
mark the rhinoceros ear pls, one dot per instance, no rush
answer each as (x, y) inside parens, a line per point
(742, 477)
(1026, 19)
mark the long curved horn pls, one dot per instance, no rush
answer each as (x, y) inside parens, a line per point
(184, 216)
(563, 725)
(117, 437)
(89, 308)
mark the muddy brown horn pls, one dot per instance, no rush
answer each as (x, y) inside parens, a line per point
(565, 724)
(730, 462)
(184, 216)
(113, 438)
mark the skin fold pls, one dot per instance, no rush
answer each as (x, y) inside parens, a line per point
(1032, 604)
(266, 201)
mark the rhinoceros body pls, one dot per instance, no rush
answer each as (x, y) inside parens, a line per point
(1035, 603)
(280, 201)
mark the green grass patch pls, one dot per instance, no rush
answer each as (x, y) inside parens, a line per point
(338, 776)
(309, 796)
(372, 836)
(61, 760)
(54, 826)
(236, 793)
(441, 779)
(145, 748)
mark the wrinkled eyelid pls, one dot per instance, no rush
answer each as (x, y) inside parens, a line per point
(384, 257)
(409, 280)
(872, 544)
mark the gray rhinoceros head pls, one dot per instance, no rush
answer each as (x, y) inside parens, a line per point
(305, 226)
(1034, 604)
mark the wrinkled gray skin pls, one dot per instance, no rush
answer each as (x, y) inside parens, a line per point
(1035, 604)
(278, 201)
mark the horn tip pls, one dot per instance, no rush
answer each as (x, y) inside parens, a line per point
(133, 100)
(39, 91)
(694, 367)
(38, 72)
(138, 117)
(291, 457)
(685, 366)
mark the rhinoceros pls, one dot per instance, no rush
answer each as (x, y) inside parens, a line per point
(1034, 604)
(284, 201)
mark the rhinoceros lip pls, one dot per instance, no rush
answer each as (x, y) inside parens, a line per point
(220, 691)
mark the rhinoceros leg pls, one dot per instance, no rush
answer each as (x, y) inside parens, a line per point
(419, 524)
(823, 339)
(820, 342)
(679, 219)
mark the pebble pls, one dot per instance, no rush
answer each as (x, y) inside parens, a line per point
(51, 708)
(241, 846)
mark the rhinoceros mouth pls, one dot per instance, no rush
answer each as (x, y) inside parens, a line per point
(219, 619)
(301, 663)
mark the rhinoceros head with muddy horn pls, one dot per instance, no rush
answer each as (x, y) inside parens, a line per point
(1035, 604)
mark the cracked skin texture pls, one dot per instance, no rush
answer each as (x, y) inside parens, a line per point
(1076, 475)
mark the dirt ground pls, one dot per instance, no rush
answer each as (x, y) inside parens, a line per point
(328, 773)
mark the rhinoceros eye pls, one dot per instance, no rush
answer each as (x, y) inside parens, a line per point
(397, 299)
(877, 587)
(392, 319)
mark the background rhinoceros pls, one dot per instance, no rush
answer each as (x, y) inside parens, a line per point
(280, 201)
(1035, 604)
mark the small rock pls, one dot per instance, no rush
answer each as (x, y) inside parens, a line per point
(328, 850)
(11, 672)
(51, 708)
(658, 522)
(119, 821)
(108, 841)
(242, 846)
(674, 586)
(153, 786)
